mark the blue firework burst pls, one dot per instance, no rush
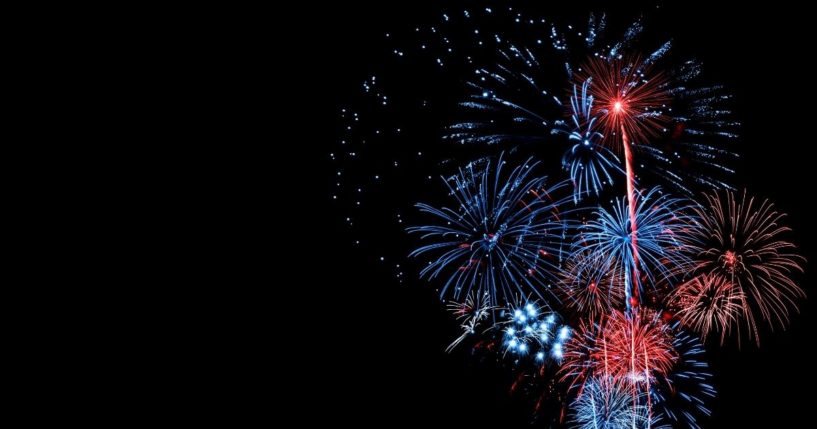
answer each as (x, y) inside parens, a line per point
(681, 396)
(606, 404)
(535, 331)
(505, 235)
(589, 163)
(661, 222)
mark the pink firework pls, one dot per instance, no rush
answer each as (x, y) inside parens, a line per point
(708, 304)
(741, 241)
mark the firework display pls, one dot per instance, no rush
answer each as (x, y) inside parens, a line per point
(600, 282)
(590, 288)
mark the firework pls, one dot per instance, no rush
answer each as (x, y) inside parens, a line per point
(532, 330)
(740, 240)
(588, 288)
(504, 238)
(517, 103)
(631, 348)
(707, 304)
(636, 348)
(588, 162)
(629, 102)
(474, 310)
(661, 221)
(681, 395)
(606, 404)
(581, 354)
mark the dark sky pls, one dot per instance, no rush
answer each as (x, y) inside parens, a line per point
(384, 341)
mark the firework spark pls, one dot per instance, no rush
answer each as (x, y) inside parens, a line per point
(740, 240)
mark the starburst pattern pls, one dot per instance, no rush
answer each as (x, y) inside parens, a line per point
(588, 288)
(708, 304)
(628, 98)
(740, 240)
(504, 237)
(661, 221)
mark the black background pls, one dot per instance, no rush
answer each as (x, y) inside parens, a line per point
(381, 356)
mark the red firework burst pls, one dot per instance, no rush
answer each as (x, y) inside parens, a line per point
(579, 361)
(633, 349)
(707, 304)
(626, 98)
(638, 347)
(741, 241)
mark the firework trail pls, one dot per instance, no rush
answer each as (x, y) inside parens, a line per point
(661, 233)
(474, 310)
(628, 102)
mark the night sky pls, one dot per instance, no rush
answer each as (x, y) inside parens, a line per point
(386, 330)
